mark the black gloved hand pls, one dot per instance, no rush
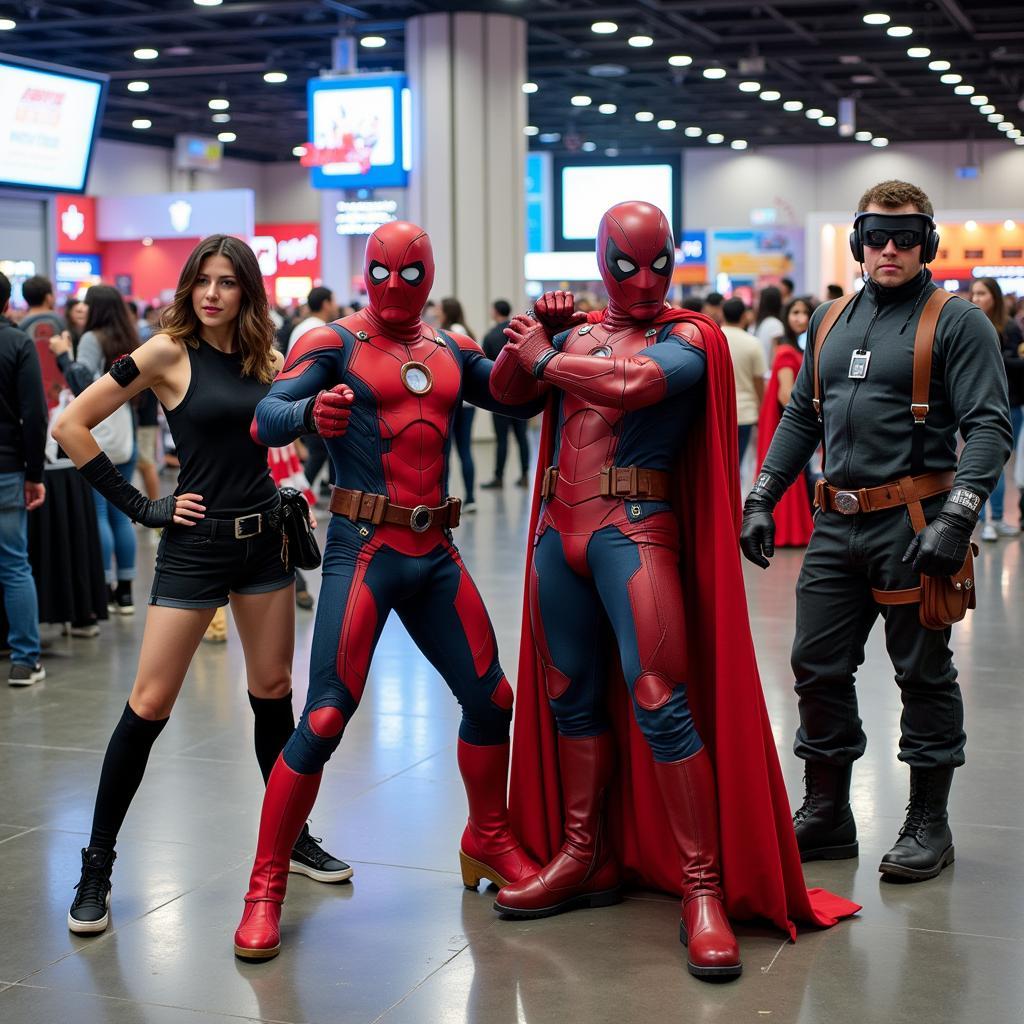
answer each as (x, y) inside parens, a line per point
(757, 534)
(103, 475)
(940, 549)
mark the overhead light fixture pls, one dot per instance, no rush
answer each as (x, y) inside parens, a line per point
(899, 31)
(951, 79)
(863, 136)
(986, 108)
(219, 104)
(964, 90)
(793, 105)
(7, 24)
(146, 53)
(680, 60)
(138, 86)
(640, 41)
(1010, 225)
(877, 18)
(147, 241)
(1014, 134)
(581, 101)
(978, 100)
(750, 87)
(971, 225)
(607, 108)
(611, 151)
(142, 123)
(666, 124)
(693, 132)
(995, 118)
(275, 77)
(644, 115)
(813, 113)
(919, 52)
(298, 151)
(226, 136)
(531, 130)
(373, 42)
(550, 136)
(771, 95)
(828, 121)
(715, 139)
(939, 65)
(604, 28)
(1005, 126)
(715, 72)
(221, 118)
(530, 87)
(207, 3)
(738, 144)
(880, 142)
(588, 147)
(1018, 142)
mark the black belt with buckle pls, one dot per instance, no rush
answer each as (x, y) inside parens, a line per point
(241, 527)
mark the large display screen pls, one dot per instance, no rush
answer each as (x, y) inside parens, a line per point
(359, 131)
(48, 121)
(584, 189)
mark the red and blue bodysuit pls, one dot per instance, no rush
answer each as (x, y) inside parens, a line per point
(383, 389)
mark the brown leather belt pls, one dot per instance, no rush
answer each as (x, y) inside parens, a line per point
(377, 509)
(850, 501)
(615, 482)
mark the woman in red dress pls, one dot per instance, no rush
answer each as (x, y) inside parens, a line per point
(793, 513)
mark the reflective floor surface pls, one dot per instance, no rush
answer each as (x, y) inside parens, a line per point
(405, 943)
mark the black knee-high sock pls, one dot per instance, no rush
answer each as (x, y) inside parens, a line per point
(123, 767)
(275, 724)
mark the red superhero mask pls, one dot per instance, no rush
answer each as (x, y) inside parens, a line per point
(636, 255)
(398, 270)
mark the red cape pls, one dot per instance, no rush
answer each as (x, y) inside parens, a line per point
(761, 868)
(792, 514)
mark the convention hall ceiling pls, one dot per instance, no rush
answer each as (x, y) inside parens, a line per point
(654, 63)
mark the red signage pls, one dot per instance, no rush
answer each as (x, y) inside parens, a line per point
(76, 224)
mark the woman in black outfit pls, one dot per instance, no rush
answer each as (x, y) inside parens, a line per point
(209, 366)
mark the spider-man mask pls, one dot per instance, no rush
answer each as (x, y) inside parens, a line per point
(635, 254)
(398, 270)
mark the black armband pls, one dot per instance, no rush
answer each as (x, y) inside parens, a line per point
(769, 486)
(965, 499)
(124, 370)
(541, 364)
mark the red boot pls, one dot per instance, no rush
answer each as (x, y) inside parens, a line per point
(286, 805)
(688, 791)
(489, 850)
(583, 873)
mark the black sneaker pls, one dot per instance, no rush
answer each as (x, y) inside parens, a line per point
(123, 598)
(26, 675)
(492, 485)
(313, 861)
(90, 913)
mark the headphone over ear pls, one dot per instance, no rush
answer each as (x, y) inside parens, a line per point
(929, 248)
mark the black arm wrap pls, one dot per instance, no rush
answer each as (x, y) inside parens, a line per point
(124, 370)
(103, 475)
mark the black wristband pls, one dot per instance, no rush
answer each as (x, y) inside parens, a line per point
(965, 499)
(541, 364)
(769, 487)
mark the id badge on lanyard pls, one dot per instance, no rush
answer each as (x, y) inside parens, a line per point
(859, 362)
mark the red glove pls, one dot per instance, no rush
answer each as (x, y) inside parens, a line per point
(555, 310)
(331, 410)
(529, 342)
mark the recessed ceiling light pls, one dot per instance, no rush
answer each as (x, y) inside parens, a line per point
(951, 79)
(1014, 134)
(770, 95)
(275, 77)
(611, 151)
(738, 143)
(680, 60)
(877, 18)
(939, 65)
(793, 105)
(971, 225)
(1005, 126)
(986, 108)
(607, 70)
(978, 100)
(880, 142)
(714, 138)
(640, 41)
(863, 136)
(219, 104)
(607, 108)
(693, 132)
(207, 3)
(644, 115)
(146, 53)
(220, 118)
(995, 118)
(715, 72)
(373, 42)
(604, 28)
(226, 136)
(813, 113)
(298, 151)
(7, 24)
(1010, 225)
(581, 101)
(918, 52)
(550, 136)
(828, 121)
(142, 123)
(531, 130)
(964, 90)
(899, 31)
(1018, 142)
(138, 86)
(666, 124)
(863, 79)
(530, 87)
(750, 86)
(147, 241)
(588, 147)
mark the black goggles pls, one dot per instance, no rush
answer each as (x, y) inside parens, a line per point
(875, 230)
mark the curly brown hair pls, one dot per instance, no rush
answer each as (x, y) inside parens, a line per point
(894, 193)
(254, 330)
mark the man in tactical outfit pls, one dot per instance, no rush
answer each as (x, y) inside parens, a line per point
(863, 540)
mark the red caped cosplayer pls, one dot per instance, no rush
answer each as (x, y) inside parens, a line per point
(382, 388)
(648, 759)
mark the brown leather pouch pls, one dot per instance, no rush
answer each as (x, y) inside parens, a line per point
(946, 599)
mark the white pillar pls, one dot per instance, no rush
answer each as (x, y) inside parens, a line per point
(466, 187)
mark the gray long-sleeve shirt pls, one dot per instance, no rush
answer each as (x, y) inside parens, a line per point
(867, 424)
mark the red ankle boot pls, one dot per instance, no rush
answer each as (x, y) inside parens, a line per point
(688, 791)
(583, 873)
(489, 850)
(286, 805)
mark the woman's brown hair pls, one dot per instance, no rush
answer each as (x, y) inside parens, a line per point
(451, 313)
(254, 330)
(997, 314)
(110, 321)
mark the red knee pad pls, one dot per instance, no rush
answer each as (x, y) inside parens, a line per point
(652, 691)
(327, 722)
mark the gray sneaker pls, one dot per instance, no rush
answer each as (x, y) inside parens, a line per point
(26, 675)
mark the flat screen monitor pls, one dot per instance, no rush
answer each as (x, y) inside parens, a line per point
(49, 116)
(584, 189)
(359, 131)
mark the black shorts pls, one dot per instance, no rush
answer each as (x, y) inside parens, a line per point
(196, 570)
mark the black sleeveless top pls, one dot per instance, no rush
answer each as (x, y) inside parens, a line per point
(210, 427)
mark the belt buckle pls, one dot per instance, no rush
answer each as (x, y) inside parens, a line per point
(421, 519)
(846, 502)
(241, 533)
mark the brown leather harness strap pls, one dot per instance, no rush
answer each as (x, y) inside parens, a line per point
(850, 501)
(377, 508)
(828, 321)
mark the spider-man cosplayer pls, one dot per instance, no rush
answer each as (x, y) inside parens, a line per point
(635, 527)
(382, 388)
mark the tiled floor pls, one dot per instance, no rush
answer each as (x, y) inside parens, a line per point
(405, 943)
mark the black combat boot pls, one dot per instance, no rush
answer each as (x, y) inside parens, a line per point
(925, 845)
(824, 825)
